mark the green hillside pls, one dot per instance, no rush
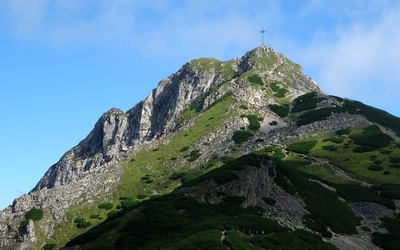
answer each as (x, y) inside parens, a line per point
(344, 161)
(261, 159)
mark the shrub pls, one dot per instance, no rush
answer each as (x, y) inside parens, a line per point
(254, 121)
(177, 175)
(315, 115)
(141, 196)
(274, 86)
(198, 106)
(302, 147)
(82, 223)
(194, 155)
(273, 123)
(391, 193)
(234, 200)
(373, 114)
(363, 149)
(390, 240)
(281, 111)
(279, 92)
(127, 203)
(324, 206)
(241, 136)
(49, 246)
(385, 152)
(243, 107)
(34, 214)
(147, 179)
(23, 224)
(373, 157)
(225, 177)
(270, 201)
(395, 160)
(329, 147)
(372, 137)
(306, 102)
(94, 216)
(106, 206)
(387, 172)
(255, 79)
(356, 193)
(343, 131)
(185, 148)
(375, 167)
(227, 159)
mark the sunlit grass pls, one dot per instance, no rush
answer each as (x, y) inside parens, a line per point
(357, 164)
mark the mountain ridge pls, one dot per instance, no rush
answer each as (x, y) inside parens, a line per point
(255, 89)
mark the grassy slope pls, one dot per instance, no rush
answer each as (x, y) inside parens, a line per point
(177, 221)
(199, 225)
(158, 164)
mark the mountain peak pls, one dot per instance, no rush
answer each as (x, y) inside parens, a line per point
(196, 120)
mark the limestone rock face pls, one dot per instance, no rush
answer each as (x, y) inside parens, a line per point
(255, 184)
(103, 143)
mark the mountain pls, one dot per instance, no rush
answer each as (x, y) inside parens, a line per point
(247, 154)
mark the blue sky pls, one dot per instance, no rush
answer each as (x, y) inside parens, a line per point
(64, 63)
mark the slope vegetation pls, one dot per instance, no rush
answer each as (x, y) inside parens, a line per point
(243, 154)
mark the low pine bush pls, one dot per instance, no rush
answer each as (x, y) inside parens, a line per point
(302, 147)
(281, 111)
(241, 136)
(255, 79)
(106, 206)
(375, 168)
(34, 214)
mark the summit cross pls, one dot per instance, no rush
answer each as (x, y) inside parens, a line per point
(262, 31)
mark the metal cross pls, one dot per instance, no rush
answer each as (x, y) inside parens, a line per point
(262, 31)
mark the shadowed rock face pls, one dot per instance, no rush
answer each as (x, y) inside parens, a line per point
(92, 168)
